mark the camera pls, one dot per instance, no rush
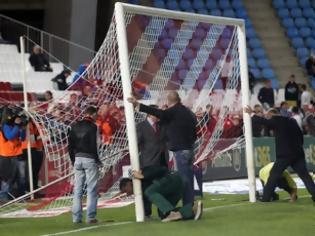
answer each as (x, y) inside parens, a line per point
(11, 113)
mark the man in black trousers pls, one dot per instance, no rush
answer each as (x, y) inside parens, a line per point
(289, 151)
(153, 151)
(180, 125)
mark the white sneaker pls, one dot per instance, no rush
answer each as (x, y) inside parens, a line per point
(173, 216)
(198, 211)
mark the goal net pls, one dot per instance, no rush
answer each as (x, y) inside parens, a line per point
(147, 52)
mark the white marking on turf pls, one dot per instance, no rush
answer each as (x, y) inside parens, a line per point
(88, 228)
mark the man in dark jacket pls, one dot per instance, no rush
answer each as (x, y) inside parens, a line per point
(291, 93)
(38, 60)
(289, 151)
(266, 95)
(180, 124)
(83, 151)
(153, 151)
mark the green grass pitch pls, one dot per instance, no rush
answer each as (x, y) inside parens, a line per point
(223, 215)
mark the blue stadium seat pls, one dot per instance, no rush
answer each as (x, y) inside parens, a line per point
(251, 62)
(159, 4)
(302, 52)
(215, 12)
(292, 3)
(250, 32)
(218, 84)
(185, 5)
(304, 3)
(203, 11)
(198, 4)
(228, 13)
(224, 4)
(292, 32)
(237, 4)
(275, 84)
(258, 53)
(297, 42)
(254, 43)
(310, 42)
(305, 32)
(256, 73)
(268, 73)
(309, 12)
(296, 12)
(302, 61)
(283, 12)
(210, 4)
(300, 22)
(311, 23)
(287, 22)
(248, 23)
(172, 5)
(249, 53)
(278, 3)
(313, 83)
(263, 63)
(241, 13)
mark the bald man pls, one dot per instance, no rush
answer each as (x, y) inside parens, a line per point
(180, 125)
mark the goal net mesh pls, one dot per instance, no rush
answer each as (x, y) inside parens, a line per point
(198, 59)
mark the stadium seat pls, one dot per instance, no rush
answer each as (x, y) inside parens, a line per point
(311, 23)
(181, 65)
(302, 61)
(283, 12)
(224, 43)
(263, 63)
(275, 84)
(292, 32)
(300, 22)
(251, 62)
(287, 22)
(310, 42)
(182, 74)
(297, 42)
(172, 33)
(305, 32)
(258, 53)
(304, 3)
(237, 4)
(195, 43)
(198, 5)
(216, 54)
(250, 32)
(224, 4)
(210, 4)
(166, 43)
(313, 83)
(188, 54)
(203, 11)
(227, 33)
(254, 43)
(278, 3)
(200, 33)
(256, 73)
(296, 12)
(302, 52)
(309, 13)
(218, 84)
(185, 5)
(241, 13)
(172, 5)
(215, 12)
(228, 13)
(209, 64)
(268, 73)
(292, 3)
(159, 4)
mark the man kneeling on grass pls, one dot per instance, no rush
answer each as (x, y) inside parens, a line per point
(286, 182)
(165, 192)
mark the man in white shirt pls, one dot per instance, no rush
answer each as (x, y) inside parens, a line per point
(306, 97)
(297, 116)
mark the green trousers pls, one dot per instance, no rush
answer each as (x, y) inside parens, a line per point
(166, 192)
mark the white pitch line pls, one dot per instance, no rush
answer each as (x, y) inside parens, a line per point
(88, 228)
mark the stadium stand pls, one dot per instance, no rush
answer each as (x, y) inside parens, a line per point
(258, 62)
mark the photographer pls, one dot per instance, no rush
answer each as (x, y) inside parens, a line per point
(11, 134)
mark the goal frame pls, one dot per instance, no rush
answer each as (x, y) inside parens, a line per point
(120, 9)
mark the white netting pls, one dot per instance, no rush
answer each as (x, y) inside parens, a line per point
(198, 59)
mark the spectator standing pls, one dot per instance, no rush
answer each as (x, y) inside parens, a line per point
(83, 151)
(297, 116)
(180, 124)
(310, 66)
(306, 97)
(266, 95)
(291, 93)
(38, 60)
